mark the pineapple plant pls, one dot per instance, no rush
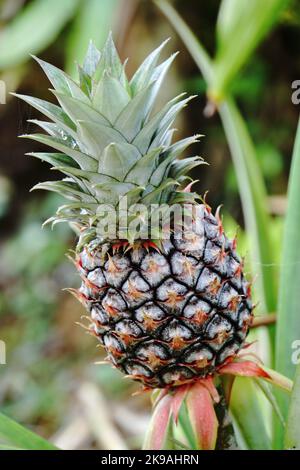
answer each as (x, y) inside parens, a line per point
(172, 306)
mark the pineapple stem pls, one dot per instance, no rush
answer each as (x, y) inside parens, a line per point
(226, 439)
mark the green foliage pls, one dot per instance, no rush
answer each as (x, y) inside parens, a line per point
(288, 323)
(33, 29)
(247, 411)
(292, 434)
(245, 24)
(15, 436)
(31, 280)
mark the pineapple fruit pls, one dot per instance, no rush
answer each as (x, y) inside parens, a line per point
(169, 308)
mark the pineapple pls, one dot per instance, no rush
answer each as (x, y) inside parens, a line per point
(170, 307)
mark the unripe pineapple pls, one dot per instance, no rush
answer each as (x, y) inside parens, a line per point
(170, 308)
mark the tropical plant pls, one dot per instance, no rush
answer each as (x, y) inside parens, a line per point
(172, 314)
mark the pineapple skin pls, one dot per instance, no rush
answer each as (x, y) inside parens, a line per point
(168, 317)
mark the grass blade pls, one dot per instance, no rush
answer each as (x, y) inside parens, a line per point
(191, 42)
(246, 410)
(253, 197)
(235, 27)
(288, 318)
(292, 434)
(15, 435)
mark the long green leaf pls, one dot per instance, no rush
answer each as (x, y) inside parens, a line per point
(246, 410)
(288, 318)
(193, 45)
(52, 111)
(292, 435)
(245, 23)
(13, 435)
(84, 161)
(33, 29)
(62, 82)
(253, 197)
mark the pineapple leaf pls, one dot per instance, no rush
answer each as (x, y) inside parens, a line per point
(142, 77)
(183, 197)
(110, 97)
(134, 194)
(73, 178)
(96, 137)
(109, 60)
(182, 167)
(169, 156)
(111, 192)
(144, 137)
(53, 112)
(168, 120)
(166, 141)
(84, 161)
(61, 81)
(85, 81)
(90, 176)
(75, 206)
(160, 72)
(54, 130)
(55, 159)
(178, 147)
(143, 168)
(91, 60)
(50, 127)
(118, 160)
(67, 189)
(160, 431)
(80, 111)
(151, 197)
(161, 171)
(131, 119)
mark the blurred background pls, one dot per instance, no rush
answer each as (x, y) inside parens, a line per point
(51, 382)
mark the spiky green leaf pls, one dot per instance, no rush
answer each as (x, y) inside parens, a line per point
(84, 161)
(143, 75)
(96, 137)
(110, 97)
(91, 60)
(144, 167)
(80, 111)
(61, 81)
(118, 159)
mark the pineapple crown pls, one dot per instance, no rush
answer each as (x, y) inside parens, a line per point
(108, 143)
